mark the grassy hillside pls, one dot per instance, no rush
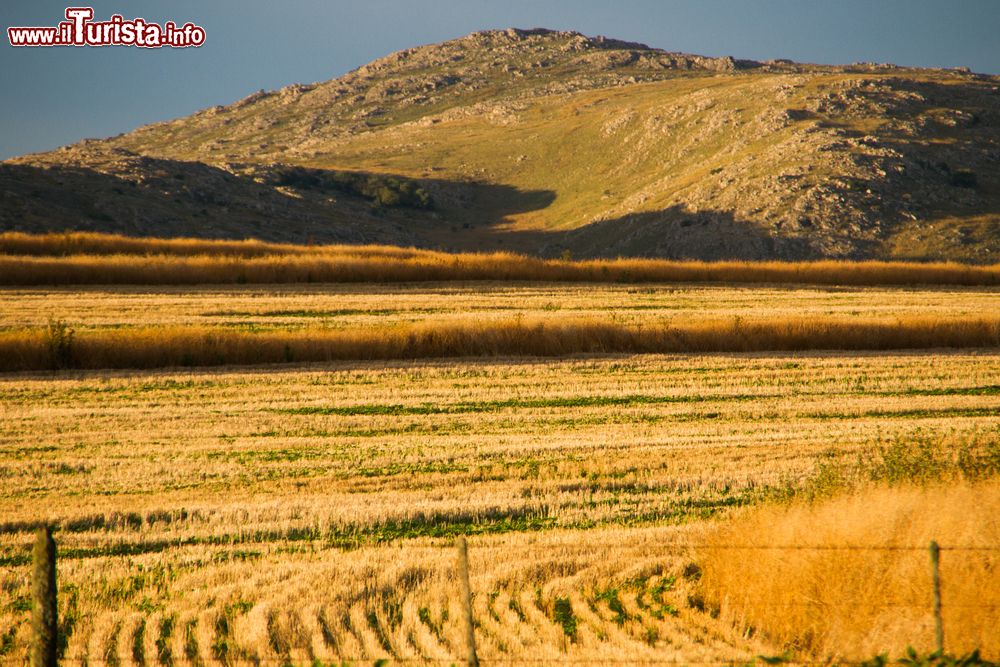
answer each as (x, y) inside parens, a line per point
(546, 142)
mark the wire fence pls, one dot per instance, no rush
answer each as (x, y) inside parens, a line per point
(737, 661)
(762, 547)
(124, 549)
(46, 568)
(340, 661)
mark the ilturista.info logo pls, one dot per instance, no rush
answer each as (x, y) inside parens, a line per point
(80, 29)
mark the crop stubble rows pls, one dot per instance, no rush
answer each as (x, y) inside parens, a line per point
(223, 500)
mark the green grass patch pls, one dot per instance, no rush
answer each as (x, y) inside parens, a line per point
(443, 524)
(915, 460)
(562, 614)
(611, 597)
(917, 413)
(340, 312)
(987, 390)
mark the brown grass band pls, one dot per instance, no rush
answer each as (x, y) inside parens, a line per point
(157, 347)
(94, 259)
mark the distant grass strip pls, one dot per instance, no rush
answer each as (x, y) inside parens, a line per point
(58, 346)
(383, 409)
(416, 525)
(89, 259)
(492, 521)
(96, 243)
(340, 312)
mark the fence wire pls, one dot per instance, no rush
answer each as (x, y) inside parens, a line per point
(651, 547)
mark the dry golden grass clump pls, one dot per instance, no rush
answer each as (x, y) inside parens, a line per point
(58, 346)
(853, 603)
(84, 258)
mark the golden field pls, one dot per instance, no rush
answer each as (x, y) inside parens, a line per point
(344, 305)
(265, 514)
(199, 496)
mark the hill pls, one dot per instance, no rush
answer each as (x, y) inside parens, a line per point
(546, 142)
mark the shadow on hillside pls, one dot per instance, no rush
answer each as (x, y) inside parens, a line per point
(142, 196)
(953, 178)
(672, 233)
(125, 193)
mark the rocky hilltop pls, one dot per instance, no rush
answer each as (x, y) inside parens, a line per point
(547, 142)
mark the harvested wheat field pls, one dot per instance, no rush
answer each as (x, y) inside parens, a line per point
(301, 511)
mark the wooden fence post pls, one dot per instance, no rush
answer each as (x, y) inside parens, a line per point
(44, 617)
(466, 593)
(936, 574)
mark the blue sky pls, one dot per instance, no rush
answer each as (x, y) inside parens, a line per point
(56, 96)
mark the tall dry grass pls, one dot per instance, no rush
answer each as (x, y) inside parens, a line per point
(81, 258)
(92, 243)
(95, 243)
(853, 604)
(58, 346)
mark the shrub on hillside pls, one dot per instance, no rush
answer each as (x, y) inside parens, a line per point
(380, 190)
(964, 178)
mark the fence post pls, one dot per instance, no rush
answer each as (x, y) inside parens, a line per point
(44, 618)
(936, 574)
(466, 593)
